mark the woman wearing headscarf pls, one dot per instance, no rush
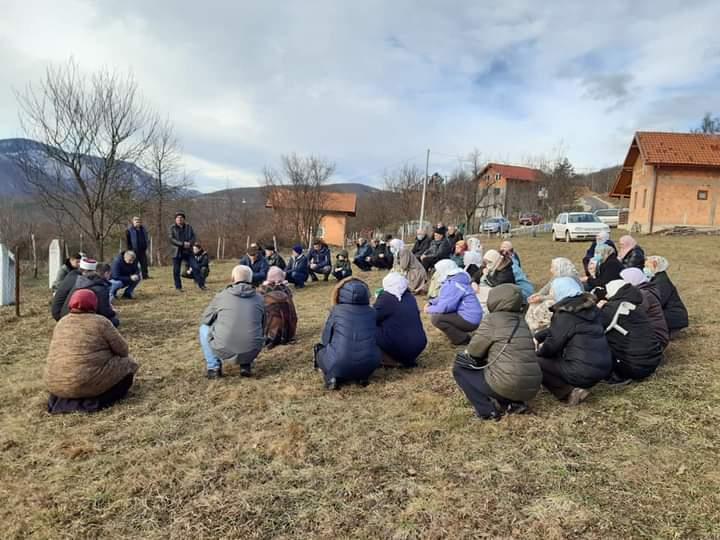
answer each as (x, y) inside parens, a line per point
(675, 312)
(604, 267)
(442, 271)
(400, 333)
(521, 280)
(456, 311)
(501, 364)
(88, 364)
(473, 264)
(280, 314)
(498, 269)
(409, 266)
(459, 252)
(601, 238)
(538, 314)
(650, 303)
(574, 354)
(630, 253)
(635, 349)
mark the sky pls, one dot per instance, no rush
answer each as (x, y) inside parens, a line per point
(372, 85)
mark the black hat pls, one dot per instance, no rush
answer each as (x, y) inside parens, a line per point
(440, 230)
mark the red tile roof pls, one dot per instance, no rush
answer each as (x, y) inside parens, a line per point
(513, 172)
(343, 203)
(668, 149)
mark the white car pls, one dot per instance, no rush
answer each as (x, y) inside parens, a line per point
(611, 216)
(577, 226)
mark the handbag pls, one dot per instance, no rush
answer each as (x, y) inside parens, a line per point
(466, 361)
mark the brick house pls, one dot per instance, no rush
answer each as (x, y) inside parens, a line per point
(670, 179)
(511, 189)
(336, 208)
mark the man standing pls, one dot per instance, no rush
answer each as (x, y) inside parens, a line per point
(137, 240)
(182, 237)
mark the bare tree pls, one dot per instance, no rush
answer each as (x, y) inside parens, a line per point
(296, 192)
(708, 124)
(558, 180)
(406, 184)
(91, 131)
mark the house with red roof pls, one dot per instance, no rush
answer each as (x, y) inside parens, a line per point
(670, 179)
(511, 190)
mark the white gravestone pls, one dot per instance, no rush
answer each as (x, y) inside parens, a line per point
(54, 261)
(7, 276)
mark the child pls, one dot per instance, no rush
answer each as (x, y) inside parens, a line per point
(348, 351)
(342, 267)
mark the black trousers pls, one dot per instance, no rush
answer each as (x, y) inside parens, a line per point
(477, 390)
(363, 265)
(143, 262)
(456, 328)
(192, 263)
(553, 379)
(58, 405)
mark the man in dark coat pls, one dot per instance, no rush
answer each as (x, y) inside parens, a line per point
(297, 268)
(439, 249)
(382, 256)
(91, 276)
(320, 261)
(137, 241)
(182, 237)
(70, 264)
(348, 351)
(636, 352)
(364, 255)
(454, 236)
(203, 261)
(274, 258)
(422, 243)
(255, 260)
(125, 274)
(574, 354)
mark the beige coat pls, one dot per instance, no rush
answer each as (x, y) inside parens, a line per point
(409, 266)
(87, 357)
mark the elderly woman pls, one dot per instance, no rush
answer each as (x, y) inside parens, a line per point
(280, 315)
(400, 333)
(650, 303)
(498, 269)
(604, 267)
(676, 314)
(89, 367)
(521, 280)
(538, 314)
(630, 253)
(506, 248)
(456, 311)
(409, 266)
(600, 239)
(574, 354)
(501, 364)
(459, 252)
(473, 264)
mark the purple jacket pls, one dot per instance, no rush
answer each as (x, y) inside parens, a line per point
(457, 296)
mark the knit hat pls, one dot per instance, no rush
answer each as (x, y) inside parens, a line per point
(298, 249)
(440, 230)
(275, 275)
(83, 301)
(88, 264)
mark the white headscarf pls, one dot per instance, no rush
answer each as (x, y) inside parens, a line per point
(613, 287)
(396, 245)
(395, 284)
(474, 244)
(446, 268)
(472, 257)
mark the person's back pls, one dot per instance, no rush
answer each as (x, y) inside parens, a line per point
(400, 331)
(457, 296)
(280, 315)
(504, 341)
(653, 308)
(97, 283)
(676, 314)
(62, 294)
(349, 351)
(629, 333)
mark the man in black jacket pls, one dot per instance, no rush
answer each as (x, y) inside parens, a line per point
(182, 237)
(93, 276)
(422, 243)
(439, 249)
(136, 238)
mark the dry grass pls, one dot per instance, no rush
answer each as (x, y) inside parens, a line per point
(277, 456)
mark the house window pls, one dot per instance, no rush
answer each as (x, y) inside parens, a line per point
(644, 197)
(497, 176)
(487, 177)
(496, 191)
(702, 195)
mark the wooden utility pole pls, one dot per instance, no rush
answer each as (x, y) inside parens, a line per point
(17, 281)
(424, 191)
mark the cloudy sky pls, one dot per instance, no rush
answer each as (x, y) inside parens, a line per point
(371, 85)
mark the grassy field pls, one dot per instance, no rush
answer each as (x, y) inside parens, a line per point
(276, 456)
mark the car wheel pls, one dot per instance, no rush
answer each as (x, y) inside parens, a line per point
(567, 236)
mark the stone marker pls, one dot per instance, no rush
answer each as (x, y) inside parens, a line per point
(7, 276)
(54, 261)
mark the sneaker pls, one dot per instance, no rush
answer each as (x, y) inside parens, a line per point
(517, 407)
(246, 371)
(577, 396)
(332, 384)
(214, 373)
(492, 416)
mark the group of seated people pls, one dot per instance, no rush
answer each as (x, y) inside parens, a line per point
(576, 331)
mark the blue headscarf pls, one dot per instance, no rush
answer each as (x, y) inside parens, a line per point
(565, 287)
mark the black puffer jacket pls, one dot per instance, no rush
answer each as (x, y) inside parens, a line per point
(675, 311)
(438, 249)
(421, 246)
(635, 258)
(652, 306)
(60, 299)
(501, 276)
(101, 287)
(637, 353)
(609, 271)
(576, 339)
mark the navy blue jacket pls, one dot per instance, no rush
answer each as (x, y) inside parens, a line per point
(349, 351)
(298, 267)
(121, 271)
(320, 257)
(259, 268)
(137, 239)
(364, 252)
(400, 331)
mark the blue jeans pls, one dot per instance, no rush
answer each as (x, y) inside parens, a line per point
(116, 285)
(192, 263)
(211, 359)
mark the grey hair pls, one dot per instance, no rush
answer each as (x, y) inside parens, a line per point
(242, 273)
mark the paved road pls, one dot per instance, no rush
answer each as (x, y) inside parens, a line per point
(594, 203)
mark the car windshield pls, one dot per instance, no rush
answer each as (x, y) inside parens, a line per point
(583, 218)
(493, 220)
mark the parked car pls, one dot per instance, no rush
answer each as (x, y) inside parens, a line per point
(530, 218)
(496, 225)
(577, 226)
(611, 216)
